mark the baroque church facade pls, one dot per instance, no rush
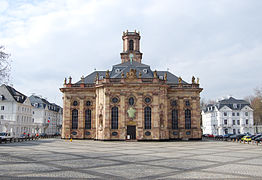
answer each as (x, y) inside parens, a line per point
(131, 102)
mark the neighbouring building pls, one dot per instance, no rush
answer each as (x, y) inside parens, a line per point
(15, 112)
(230, 115)
(21, 114)
(47, 116)
(131, 102)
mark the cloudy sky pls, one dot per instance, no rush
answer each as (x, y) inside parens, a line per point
(218, 41)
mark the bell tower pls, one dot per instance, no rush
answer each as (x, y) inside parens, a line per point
(131, 47)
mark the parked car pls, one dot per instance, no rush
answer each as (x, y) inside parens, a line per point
(218, 136)
(6, 136)
(236, 136)
(246, 138)
(256, 136)
(226, 136)
(259, 139)
(57, 134)
(210, 135)
(239, 136)
(43, 135)
(24, 135)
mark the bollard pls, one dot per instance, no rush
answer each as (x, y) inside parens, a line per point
(257, 143)
(71, 140)
(247, 142)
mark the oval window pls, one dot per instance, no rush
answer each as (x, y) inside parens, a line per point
(75, 103)
(115, 100)
(88, 103)
(147, 100)
(131, 101)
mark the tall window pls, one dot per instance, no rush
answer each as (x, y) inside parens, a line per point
(74, 119)
(174, 119)
(88, 119)
(131, 45)
(114, 118)
(147, 113)
(187, 119)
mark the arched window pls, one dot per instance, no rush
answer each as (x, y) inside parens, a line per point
(147, 113)
(174, 119)
(88, 119)
(131, 45)
(114, 118)
(74, 119)
(187, 119)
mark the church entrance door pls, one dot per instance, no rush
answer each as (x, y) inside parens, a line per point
(131, 132)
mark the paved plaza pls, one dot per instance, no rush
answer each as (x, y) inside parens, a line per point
(82, 159)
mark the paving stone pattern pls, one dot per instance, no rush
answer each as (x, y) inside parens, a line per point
(83, 159)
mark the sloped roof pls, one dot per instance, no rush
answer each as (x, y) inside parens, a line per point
(125, 67)
(18, 97)
(39, 102)
(232, 103)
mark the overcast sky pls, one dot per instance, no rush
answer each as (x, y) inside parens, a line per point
(219, 41)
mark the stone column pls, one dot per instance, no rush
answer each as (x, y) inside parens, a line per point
(81, 119)
(122, 118)
(106, 117)
(140, 116)
(67, 120)
(181, 117)
(155, 119)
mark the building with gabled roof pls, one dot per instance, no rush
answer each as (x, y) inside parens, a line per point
(131, 102)
(229, 115)
(47, 116)
(20, 114)
(15, 112)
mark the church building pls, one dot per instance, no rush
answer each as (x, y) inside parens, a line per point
(131, 102)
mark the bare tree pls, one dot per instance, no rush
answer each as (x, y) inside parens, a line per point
(5, 65)
(256, 104)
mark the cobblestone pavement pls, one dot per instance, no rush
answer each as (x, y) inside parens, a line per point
(82, 159)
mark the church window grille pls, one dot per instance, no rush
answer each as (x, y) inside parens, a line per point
(74, 119)
(131, 101)
(75, 103)
(88, 119)
(114, 118)
(88, 103)
(174, 119)
(147, 100)
(131, 45)
(187, 119)
(115, 100)
(145, 71)
(147, 114)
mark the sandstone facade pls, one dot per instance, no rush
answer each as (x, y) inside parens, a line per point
(131, 102)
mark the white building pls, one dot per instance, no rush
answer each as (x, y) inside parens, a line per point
(228, 116)
(47, 116)
(15, 112)
(21, 114)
